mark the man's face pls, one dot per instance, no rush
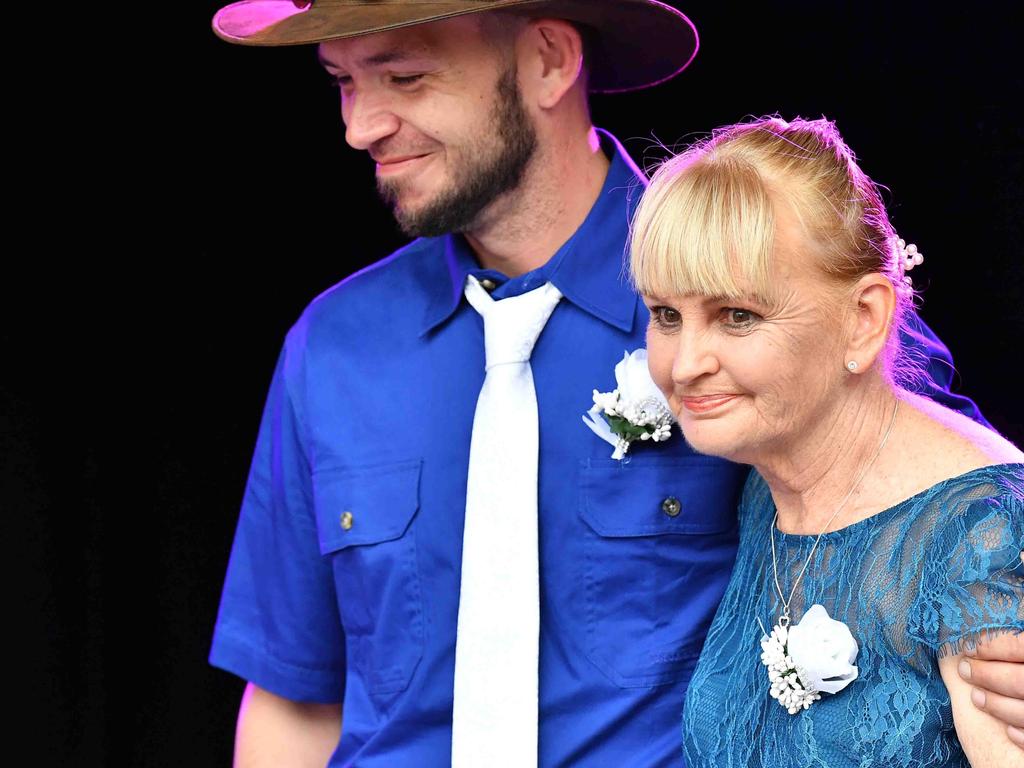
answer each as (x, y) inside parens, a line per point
(438, 108)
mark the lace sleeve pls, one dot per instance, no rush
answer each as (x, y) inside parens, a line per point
(972, 578)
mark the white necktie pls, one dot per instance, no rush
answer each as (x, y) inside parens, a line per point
(494, 722)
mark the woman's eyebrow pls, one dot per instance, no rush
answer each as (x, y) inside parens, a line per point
(755, 298)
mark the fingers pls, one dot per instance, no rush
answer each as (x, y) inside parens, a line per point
(1004, 678)
(1004, 708)
(1008, 646)
(993, 679)
(1016, 735)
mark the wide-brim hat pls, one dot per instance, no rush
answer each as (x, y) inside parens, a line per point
(638, 43)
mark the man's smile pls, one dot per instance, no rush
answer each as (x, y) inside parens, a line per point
(399, 163)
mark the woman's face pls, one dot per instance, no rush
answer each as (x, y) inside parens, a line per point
(746, 378)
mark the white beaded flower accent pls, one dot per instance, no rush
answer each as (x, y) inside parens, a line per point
(635, 410)
(788, 688)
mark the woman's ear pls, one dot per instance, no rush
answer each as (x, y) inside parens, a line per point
(873, 303)
(553, 50)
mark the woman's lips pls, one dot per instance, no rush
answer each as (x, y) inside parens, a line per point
(706, 403)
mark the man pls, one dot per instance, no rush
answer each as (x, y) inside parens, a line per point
(350, 578)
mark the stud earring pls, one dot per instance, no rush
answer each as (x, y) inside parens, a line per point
(851, 366)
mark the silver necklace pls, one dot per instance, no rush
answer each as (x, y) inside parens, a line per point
(784, 619)
(798, 675)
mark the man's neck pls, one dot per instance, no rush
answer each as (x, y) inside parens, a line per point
(522, 230)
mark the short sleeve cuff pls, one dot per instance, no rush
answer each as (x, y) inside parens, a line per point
(316, 686)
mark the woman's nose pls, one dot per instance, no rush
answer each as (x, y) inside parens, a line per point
(694, 358)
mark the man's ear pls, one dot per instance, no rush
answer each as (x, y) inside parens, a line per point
(551, 60)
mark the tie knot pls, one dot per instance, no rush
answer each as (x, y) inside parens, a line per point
(512, 325)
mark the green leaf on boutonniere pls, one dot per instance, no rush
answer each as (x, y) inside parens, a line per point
(623, 428)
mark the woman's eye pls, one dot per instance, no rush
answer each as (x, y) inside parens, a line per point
(739, 318)
(664, 317)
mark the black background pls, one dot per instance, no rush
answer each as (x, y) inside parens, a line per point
(237, 202)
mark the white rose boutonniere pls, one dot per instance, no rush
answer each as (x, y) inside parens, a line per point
(807, 659)
(635, 410)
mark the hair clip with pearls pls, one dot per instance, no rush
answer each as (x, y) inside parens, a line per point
(909, 258)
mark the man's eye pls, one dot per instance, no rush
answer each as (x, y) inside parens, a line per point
(664, 317)
(405, 79)
(339, 81)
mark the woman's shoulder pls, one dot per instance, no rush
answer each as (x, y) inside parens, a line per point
(966, 540)
(945, 436)
(986, 486)
(960, 508)
(941, 447)
(969, 517)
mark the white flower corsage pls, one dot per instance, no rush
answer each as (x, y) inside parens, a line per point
(635, 410)
(807, 659)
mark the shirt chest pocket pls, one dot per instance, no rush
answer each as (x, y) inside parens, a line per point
(659, 541)
(365, 526)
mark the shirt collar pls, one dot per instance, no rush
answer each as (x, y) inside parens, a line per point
(589, 269)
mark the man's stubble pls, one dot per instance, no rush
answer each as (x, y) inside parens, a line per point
(490, 169)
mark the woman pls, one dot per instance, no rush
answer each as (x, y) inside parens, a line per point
(879, 533)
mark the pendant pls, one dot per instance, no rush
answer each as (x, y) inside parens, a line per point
(808, 659)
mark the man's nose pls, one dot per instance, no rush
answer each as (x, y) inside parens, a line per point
(694, 358)
(368, 119)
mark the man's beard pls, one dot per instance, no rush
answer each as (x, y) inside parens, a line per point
(488, 171)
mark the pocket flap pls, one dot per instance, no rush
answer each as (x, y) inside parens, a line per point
(365, 505)
(680, 495)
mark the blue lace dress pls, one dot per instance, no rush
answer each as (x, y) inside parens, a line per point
(913, 582)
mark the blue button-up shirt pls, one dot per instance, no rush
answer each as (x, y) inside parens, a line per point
(343, 583)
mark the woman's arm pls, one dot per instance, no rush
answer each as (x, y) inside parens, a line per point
(984, 738)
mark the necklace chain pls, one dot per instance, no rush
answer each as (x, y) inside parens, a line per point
(784, 618)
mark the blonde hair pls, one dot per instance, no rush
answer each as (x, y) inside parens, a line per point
(708, 219)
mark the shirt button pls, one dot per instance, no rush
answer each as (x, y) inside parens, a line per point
(346, 520)
(488, 284)
(671, 506)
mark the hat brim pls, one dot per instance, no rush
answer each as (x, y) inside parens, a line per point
(639, 43)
